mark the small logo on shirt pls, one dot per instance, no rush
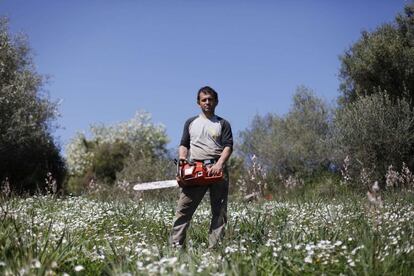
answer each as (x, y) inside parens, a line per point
(213, 133)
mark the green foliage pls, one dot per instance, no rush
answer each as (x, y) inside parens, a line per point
(237, 171)
(131, 151)
(108, 160)
(295, 144)
(381, 60)
(376, 132)
(323, 185)
(27, 149)
(147, 168)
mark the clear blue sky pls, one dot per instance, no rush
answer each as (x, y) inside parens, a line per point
(109, 59)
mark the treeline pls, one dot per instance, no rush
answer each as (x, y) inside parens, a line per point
(365, 137)
(371, 128)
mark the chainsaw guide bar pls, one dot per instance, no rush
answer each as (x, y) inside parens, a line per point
(155, 185)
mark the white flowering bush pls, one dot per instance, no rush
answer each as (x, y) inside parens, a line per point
(78, 157)
(114, 150)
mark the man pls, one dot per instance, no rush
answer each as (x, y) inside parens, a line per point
(208, 138)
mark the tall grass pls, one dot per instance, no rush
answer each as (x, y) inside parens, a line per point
(79, 235)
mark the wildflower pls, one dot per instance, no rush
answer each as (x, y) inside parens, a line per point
(345, 171)
(309, 247)
(229, 250)
(351, 262)
(407, 176)
(168, 261)
(353, 252)
(308, 259)
(79, 268)
(292, 182)
(392, 177)
(375, 187)
(373, 195)
(140, 264)
(36, 264)
(5, 187)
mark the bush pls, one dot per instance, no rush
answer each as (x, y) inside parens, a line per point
(109, 159)
(295, 144)
(131, 151)
(375, 132)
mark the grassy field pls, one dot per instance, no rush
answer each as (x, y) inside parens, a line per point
(81, 236)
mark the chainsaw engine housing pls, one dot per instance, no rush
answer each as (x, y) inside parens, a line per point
(195, 173)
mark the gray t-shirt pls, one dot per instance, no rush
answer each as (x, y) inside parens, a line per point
(206, 138)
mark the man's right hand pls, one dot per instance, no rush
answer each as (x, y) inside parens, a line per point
(180, 181)
(181, 162)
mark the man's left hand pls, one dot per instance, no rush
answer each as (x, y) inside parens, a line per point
(216, 169)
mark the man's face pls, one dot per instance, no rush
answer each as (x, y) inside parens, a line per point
(207, 103)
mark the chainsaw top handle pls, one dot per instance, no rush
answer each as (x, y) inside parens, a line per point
(180, 163)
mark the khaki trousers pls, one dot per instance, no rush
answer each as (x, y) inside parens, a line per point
(190, 198)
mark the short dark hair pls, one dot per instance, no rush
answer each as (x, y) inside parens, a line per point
(207, 90)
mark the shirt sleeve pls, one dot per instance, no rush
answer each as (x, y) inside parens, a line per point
(185, 138)
(226, 135)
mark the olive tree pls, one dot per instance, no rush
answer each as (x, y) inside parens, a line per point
(375, 132)
(294, 144)
(381, 60)
(27, 149)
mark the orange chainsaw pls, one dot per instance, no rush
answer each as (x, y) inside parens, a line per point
(194, 173)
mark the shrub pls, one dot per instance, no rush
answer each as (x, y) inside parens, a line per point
(376, 132)
(295, 144)
(133, 151)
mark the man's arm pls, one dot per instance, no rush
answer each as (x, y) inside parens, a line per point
(218, 166)
(182, 152)
(227, 140)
